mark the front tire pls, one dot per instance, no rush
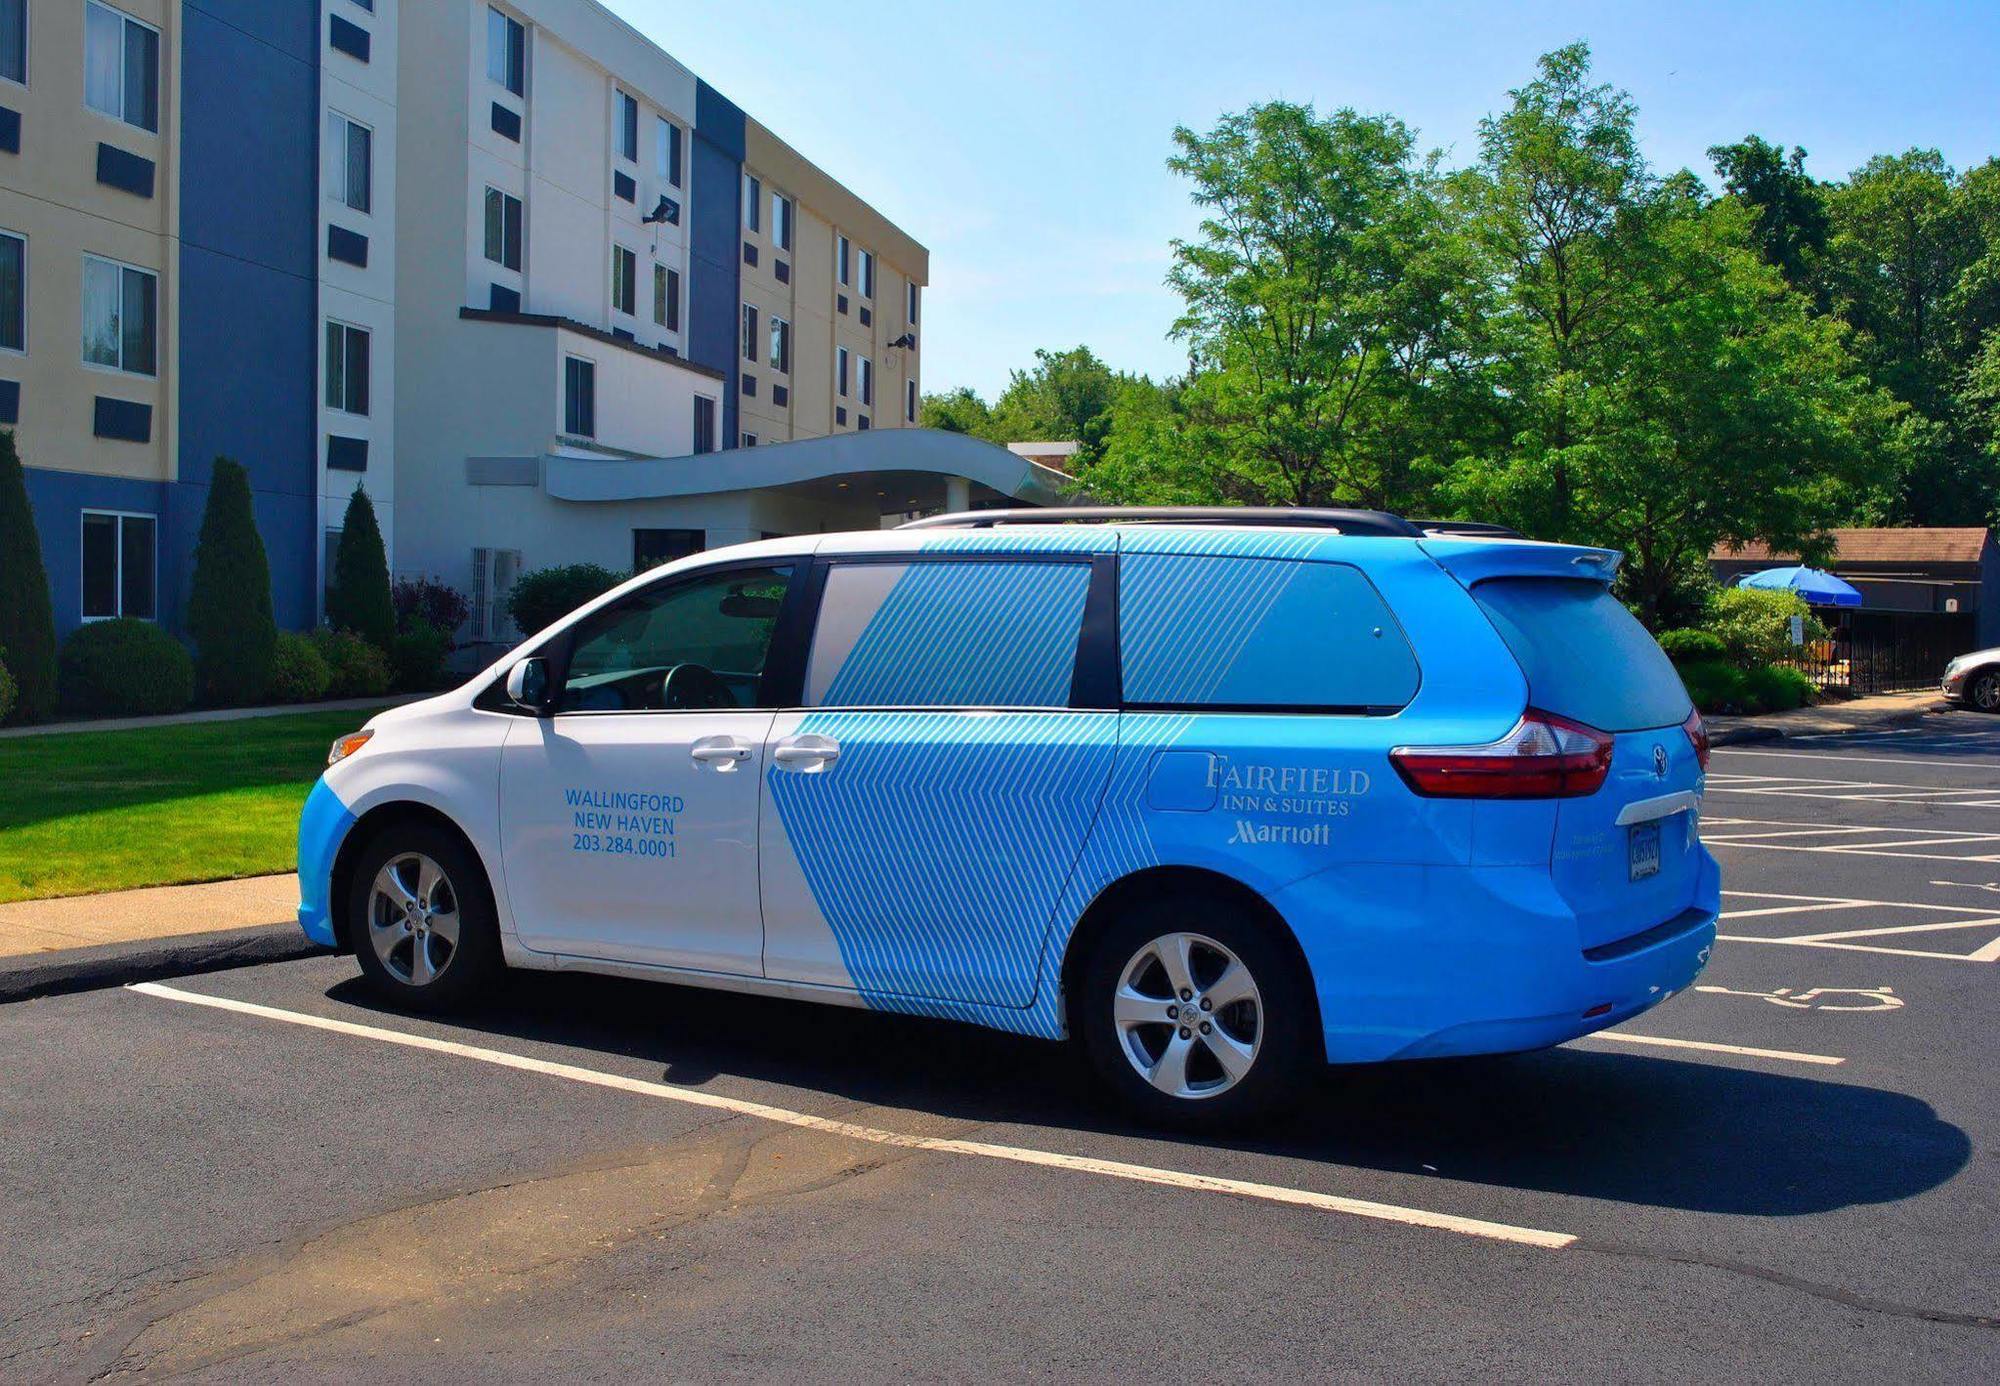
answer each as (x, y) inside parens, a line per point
(1194, 1012)
(1984, 691)
(421, 918)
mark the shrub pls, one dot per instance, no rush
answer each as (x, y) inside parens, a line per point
(27, 622)
(8, 688)
(1685, 646)
(1754, 625)
(356, 668)
(229, 599)
(1714, 685)
(358, 599)
(549, 594)
(438, 603)
(299, 673)
(417, 657)
(1776, 687)
(124, 667)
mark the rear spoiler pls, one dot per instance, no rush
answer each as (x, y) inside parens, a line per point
(1476, 560)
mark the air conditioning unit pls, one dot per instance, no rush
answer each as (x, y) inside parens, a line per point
(493, 575)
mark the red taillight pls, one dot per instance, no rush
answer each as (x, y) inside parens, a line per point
(1543, 757)
(1697, 734)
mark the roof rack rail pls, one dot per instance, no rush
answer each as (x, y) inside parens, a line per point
(1371, 522)
(1472, 529)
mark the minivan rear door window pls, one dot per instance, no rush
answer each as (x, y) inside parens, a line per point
(1584, 654)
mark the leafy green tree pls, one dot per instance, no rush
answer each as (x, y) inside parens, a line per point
(1913, 265)
(27, 622)
(956, 411)
(1306, 310)
(1066, 396)
(229, 600)
(1792, 221)
(358, 599)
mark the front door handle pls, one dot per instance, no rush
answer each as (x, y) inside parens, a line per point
(806, 753)
(726, 752)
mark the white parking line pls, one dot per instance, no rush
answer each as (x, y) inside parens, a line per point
(1830, 756)
(1023, 1155)
(1706, 1046)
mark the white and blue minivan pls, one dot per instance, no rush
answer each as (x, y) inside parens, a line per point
(1219, 795)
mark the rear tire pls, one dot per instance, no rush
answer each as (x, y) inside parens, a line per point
(1249, 1034)
(421, 919)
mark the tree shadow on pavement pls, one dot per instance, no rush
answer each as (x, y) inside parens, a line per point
(1705, 1137)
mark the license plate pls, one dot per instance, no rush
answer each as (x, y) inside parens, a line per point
(1645, 850)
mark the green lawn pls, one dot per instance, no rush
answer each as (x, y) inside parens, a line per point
(90, 811)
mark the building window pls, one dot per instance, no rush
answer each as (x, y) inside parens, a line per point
(667, 150)
(350, 159)
(503, 229)
(781, 220)
(667, 297)
(909, 401)
(867, 380)
(913, 302)
(346, 368)
(579, 397)
(506, 52)
(749, 440)
(121, 67)
(781, 345)
(749, 332)
(14, 40)
(704, 423)
(628, 127)
(118, 558)
(868, 274)
(753, 201)
(120, 318)
(652, 547)
(624, 280)
(13, 292)
(841, 252)
(840, 370)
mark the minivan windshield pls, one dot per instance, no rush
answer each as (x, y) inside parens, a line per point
(1585, 655)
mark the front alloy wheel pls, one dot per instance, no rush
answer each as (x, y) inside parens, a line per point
(413, 919)
(1189, 1016)
(1985, 691)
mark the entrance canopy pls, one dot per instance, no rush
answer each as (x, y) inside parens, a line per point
(893, 469)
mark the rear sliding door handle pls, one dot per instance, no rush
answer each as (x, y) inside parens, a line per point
(806, 753)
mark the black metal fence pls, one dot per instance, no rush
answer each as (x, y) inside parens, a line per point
(1884, 651)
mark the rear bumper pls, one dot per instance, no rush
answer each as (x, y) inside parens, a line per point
(1419, 962)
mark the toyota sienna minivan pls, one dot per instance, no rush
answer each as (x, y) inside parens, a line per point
(1217, 795)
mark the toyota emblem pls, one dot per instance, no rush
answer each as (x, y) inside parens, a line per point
(1660, 762)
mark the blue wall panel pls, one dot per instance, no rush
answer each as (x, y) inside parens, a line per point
(713, 288)
(249, 265)
(59, 498)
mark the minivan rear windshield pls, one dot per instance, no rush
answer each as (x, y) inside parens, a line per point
(1584, 654)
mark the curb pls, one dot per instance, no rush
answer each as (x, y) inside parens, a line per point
(1750, 729)
(147, 960)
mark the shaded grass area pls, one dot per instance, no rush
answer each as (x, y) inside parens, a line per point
(84, 812)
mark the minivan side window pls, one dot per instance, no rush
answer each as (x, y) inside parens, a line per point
(1250, 633)
(947, 634)
(690, 644)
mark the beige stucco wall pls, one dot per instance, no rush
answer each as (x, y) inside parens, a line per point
(50, 195)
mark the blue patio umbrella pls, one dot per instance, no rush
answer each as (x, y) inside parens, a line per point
(1819, 588)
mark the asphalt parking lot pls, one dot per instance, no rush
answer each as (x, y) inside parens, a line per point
(1788, 1172)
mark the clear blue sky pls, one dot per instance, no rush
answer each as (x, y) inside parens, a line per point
(1025, 141)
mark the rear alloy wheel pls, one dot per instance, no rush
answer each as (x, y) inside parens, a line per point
(421, 918)
(1194, 1013)
(1984, 692)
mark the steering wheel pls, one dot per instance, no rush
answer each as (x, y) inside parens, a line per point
(694, 688)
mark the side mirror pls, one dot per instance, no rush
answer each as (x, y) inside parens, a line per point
(528, 686)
